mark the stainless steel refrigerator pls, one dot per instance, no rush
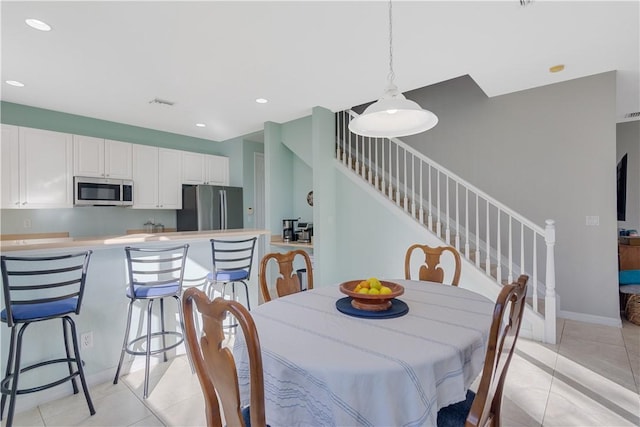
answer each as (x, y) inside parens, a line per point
(210, 207)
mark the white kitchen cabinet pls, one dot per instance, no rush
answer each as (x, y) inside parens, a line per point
(192, 168)
(37, 168)
(10, 156)
(156, 178)
(102, 158)
(217, 170)
(200, 168)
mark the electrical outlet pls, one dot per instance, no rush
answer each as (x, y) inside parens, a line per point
(27, 223)
(593, 220)
(86, 340)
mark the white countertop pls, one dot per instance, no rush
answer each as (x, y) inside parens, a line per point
(121, 240)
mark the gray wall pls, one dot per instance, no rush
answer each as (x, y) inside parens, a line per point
(548, 153)
(628, 142)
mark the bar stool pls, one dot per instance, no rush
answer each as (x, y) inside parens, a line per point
(232, 261)
(37, 289)
(154, 274)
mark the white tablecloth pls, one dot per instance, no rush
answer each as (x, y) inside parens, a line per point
(325, 368)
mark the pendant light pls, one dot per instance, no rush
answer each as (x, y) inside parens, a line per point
(393, 115)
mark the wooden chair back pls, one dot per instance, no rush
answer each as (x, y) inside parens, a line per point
(431, 270)
(287, 281)
(214, 363)
(505, 327)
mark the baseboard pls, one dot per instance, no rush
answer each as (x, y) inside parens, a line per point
(590, 318)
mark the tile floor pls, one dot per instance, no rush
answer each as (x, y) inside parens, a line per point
(591, 378)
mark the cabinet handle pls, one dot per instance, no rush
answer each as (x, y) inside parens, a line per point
(17, 203)
(24, 203)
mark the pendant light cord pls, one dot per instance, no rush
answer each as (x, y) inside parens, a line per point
(391, 75)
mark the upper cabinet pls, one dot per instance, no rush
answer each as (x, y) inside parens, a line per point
(37, 168)
(156, 178)
(102, 158)
(10, 156)
(200, 168)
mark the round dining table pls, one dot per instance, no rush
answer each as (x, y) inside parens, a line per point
(323, 367)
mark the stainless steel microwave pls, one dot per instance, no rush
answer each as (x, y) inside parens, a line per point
(88, 191)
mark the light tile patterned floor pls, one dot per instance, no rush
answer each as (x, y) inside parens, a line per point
(591, 378)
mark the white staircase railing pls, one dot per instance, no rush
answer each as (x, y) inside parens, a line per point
(498, 240)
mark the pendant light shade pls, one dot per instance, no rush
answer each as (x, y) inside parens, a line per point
(393, 115)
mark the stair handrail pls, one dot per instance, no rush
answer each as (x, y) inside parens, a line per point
(463, 182)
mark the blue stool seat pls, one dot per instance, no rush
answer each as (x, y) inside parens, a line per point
(160, 291)
(228, 276)
(43, 310)
(456, 415)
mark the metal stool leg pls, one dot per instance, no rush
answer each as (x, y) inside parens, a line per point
(125, 342)
(164, 340)
(12, 345)
(246, 293)
(16, 374)
(76, 351)
(148, 349)
(66, 349)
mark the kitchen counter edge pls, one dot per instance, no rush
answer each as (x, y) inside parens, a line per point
(106, 242)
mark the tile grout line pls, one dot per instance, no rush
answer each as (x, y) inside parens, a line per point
(553, 376)
(142, 400)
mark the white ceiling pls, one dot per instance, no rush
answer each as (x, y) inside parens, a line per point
(213, 59)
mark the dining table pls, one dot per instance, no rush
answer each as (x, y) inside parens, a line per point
(328, 367)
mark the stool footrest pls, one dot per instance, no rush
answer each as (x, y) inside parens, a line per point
(6, 390)
(156, 351)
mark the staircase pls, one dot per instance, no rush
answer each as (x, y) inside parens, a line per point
(492, 239)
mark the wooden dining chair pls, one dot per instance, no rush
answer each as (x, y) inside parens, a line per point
(214, 363)
(287, 281)
(483, 408)
(431, 270)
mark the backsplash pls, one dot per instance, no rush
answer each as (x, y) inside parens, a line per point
(88, 221)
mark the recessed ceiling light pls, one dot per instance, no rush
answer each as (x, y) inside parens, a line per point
(556, 68)
(37, 24)
(15, 83)
(201, 125)
(261, 101)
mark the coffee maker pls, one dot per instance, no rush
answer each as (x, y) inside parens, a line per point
(289, 230)
(304, 232)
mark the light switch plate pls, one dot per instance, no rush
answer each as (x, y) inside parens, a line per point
(593, 220)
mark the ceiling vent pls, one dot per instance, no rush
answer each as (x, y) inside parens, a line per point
(161, 102)
(632, 115)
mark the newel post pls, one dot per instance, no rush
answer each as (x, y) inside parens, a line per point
(550, 283)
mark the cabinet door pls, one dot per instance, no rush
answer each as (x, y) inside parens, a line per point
(46, 169)
(169, 179)
(145, 177)
(118, 159)
(10, 152)
(193, 168)
(217, 168)
(88, 156)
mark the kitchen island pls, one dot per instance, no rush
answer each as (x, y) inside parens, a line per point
(104, 306)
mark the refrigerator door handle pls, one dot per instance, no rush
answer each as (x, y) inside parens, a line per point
(224, 198)
(223, 210)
